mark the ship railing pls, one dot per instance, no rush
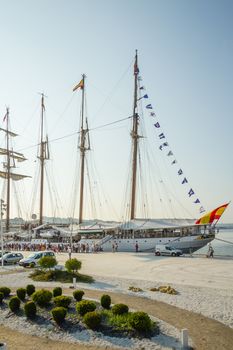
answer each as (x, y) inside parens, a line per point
(104, 240)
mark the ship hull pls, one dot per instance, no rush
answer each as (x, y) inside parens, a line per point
(188, 244)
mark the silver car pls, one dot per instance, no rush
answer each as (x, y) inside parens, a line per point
(11, 258)
(33, 258)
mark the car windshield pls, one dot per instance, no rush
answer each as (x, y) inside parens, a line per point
(34, 255)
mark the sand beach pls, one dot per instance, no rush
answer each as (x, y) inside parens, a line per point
(203, 305)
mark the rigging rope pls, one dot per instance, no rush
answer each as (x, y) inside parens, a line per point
(223, 240)
(78, 132)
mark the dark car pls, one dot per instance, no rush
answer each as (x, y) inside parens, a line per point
(11, 258)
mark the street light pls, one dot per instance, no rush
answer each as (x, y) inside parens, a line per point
(3, 208)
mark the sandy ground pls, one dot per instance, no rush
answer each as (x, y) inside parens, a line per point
(193, 271)
(207, 334)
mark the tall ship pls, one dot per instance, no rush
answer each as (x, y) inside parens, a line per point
(8, 173)
(188, 235)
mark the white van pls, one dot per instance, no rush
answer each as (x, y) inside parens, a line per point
(33, 258)
(162, 249)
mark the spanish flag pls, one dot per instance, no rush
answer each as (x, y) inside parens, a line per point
(79, 86)
(212, 215)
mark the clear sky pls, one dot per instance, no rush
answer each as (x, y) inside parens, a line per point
(185, 60)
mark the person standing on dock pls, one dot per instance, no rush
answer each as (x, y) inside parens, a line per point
(210, 253)
(69, 252)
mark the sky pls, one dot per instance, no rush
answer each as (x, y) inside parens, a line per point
(185, 51)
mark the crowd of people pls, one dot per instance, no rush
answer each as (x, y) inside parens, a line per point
(56, 247)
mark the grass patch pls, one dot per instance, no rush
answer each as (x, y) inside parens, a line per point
(59, 276)
(121, 322)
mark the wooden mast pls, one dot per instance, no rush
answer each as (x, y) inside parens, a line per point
(83, 148)
(8, 168)
(135, 137)
(11, 157)
(43, 156)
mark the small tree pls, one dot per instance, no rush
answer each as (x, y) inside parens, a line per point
(73, 265)
(42, 297)
(21, 293)
(30, 309)
(30, 289)
(47, 262)
(105, 301)
(14, 304)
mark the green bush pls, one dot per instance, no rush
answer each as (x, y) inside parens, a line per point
(1, 297)
(6, 291)
(57, 291)
(73, 265)
(30, 309)
(105, 301)
(62, 300)
(42, 297)
(85, 306)
(59, 314)
(21, 293)
(119, 309)
(120, 322)
(47, 262)
(30, 289)
(92, 319)
(78, 294)
(14, 304)
(141, 321)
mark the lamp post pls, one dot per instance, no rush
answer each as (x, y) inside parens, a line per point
(3, 208)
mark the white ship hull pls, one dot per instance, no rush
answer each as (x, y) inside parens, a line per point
(187, 244)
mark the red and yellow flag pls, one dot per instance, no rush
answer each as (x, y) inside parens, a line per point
(212, 215)
(79, 86)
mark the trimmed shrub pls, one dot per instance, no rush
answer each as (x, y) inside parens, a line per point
(73, 265)
(92, 319)
(62, 300)
(14, 304)
(141, 321)
(105, 301)
(47, 262)
(6, 291)
(30, 309)
(1, 297)
(57, 291)
(119, 309)
(78, 294)
(42, 297)
(85, 306)
(30, 289)
(21, 293)
(59, 314)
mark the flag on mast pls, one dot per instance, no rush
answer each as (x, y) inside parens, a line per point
(4, 118)
(79, 86)
(213, 215)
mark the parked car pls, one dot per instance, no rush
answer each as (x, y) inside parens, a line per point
(161, 249)
(4, 252)
(11, 258)
(32, 259)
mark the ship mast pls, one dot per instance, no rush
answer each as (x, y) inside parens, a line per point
(8, 168)
(135, 137)
(11, 156)
(43, 155)
(84, 145)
